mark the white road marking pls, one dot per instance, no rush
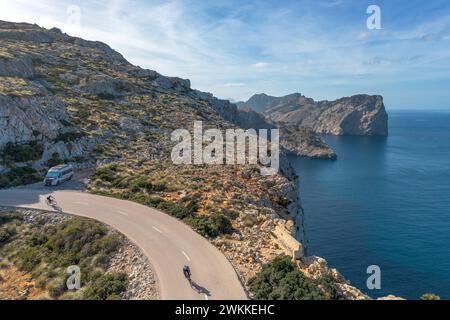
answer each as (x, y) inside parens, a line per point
(187, 257)
(206, 297)
(157, 229)
(122, 212)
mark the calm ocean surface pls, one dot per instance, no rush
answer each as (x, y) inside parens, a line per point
(385, 202)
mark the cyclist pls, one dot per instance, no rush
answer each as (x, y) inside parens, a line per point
(187, 272)
(51, 199)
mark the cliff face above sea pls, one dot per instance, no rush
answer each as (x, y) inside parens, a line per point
(356, 115)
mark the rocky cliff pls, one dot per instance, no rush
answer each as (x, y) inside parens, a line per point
(297, 140)
(356, 115)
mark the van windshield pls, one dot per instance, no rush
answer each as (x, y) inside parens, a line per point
(52, 175)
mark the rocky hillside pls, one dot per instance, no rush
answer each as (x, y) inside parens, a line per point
(356, 115)
(65, 99)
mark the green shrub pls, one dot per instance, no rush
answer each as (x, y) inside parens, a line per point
(57, 287)
(107, 287)
(19, 176)
(329, 287)
(6, 234)
(141, 184)
(54, 160)
(22, 152)
(281, 280)
(202, 225)
(106, 173)
(28, 258)
(221, 223)
(69, 136)
(229, 213)
(159, 186)
(430, 296)
(176, 209)
(106, 96)
(4, 181)
(249, 220)
(283, 201)
(109, 243)
(9, 217)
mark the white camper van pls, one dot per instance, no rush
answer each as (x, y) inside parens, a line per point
(58, 175)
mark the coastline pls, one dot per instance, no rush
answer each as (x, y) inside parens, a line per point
(248, 254)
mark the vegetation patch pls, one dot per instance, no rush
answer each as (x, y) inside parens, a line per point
(12, 152)
(46, 251)
(281, 280)
(17, 87)
(145, 191)
(54, 160)
(69, 136)
(19, 176)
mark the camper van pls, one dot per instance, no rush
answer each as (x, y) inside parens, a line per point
(58, 175)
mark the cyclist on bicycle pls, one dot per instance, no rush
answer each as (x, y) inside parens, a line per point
(51, 199)
(187, 272)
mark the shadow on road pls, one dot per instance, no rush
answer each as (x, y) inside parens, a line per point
(200, 289)
(31, 195)
(21, 198)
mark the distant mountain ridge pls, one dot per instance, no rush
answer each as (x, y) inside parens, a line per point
(356, 115)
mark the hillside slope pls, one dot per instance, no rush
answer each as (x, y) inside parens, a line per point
(68, 99)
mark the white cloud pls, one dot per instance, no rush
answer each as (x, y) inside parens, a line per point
(260, 65)
(233, 84)
(232, 52)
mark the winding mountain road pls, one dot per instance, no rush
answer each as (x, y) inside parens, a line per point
(168, 243)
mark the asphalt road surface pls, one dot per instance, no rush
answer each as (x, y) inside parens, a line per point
(168, 243)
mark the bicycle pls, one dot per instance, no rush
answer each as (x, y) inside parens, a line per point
(51, 202)
(187, 273)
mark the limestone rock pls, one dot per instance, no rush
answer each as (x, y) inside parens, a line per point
(390, 297)
(19, 66)
(356, 115)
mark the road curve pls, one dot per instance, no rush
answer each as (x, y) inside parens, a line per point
(168, 243)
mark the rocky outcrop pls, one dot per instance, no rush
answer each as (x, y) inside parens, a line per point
(391, 297)
(316, 267)
(356, 115)
(304, 142)
(20, 66)
(142, 284)
(30, 118)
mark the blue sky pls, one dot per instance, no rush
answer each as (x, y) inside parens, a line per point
(321, 48)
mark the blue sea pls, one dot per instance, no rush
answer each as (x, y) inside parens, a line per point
(385, 202)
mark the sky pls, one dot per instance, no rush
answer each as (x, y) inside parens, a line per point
(323, 49)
